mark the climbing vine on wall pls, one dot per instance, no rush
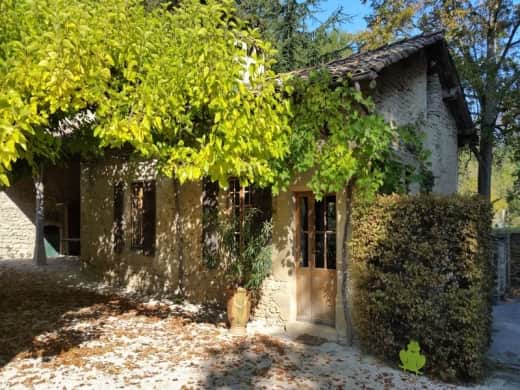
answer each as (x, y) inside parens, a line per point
(337, 134)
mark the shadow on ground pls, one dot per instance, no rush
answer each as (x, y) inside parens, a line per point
(262, 361)
(39, 308)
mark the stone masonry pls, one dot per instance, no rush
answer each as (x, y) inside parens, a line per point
(16, 229)
(17, 210)
(267, 308)
(406, 95)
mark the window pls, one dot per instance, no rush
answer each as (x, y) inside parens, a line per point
(119, 241)
(239, 198)
(316, 230)
(143, 216)
(242, 199)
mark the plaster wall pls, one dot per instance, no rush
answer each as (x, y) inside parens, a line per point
(157, 274)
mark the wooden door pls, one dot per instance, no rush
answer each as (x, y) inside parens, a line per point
(316, 258)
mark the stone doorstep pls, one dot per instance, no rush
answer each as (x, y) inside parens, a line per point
(297, 331)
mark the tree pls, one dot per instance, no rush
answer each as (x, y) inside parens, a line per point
(185, 86)
(337, 134)
(288, 25)
(197, 95)
(505, 203)
(47, 76)
(485, 41)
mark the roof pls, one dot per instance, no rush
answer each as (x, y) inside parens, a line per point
(368, 65)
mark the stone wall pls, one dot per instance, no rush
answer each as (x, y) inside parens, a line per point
(16, 226)
(506, 262)
(406, 95)
(441, 139)
(400, 92)
(17, 210)
(501, 264)
(268, 308)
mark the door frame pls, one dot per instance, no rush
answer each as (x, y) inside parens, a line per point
(304, 311)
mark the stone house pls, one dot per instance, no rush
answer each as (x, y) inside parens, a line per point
(143, 231)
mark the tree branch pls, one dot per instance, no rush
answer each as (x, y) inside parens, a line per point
(496, 200)
(509, 45)
(497, 11)
(476, 152)
(514, 78)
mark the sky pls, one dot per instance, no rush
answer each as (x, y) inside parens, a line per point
(353, 8)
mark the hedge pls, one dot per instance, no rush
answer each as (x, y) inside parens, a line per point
(421, 269)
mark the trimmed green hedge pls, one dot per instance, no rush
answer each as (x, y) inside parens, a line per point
(421, 269)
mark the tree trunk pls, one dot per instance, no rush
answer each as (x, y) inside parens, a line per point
(485, 163)
(345, 258)
(39, 256)
(179, 238)
(489, 114)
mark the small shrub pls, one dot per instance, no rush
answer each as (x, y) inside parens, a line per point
(421, 269)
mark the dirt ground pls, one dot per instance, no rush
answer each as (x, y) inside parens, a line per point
(61, 330)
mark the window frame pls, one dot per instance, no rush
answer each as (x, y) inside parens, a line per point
(245, 201)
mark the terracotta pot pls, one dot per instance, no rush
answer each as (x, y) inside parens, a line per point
(238, 310)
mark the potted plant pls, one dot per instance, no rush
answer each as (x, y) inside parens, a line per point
(247, 256)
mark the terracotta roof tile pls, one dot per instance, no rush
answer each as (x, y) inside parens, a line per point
(367, 65)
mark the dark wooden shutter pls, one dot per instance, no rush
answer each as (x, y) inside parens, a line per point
(119, 241)
(209, 222)
(149, 218)
(137, 215)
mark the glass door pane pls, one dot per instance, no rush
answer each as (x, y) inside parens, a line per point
(304, 232)
(320, 250)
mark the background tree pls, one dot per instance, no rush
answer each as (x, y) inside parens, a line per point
(505, 203)
(51, 69)
(186, 88)
(292, 26)
(485, 40)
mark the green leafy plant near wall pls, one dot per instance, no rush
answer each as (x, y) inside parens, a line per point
(410, 165)
(421, 269)
(247, 260)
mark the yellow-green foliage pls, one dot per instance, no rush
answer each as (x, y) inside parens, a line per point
(192, 88)
(421, 270)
